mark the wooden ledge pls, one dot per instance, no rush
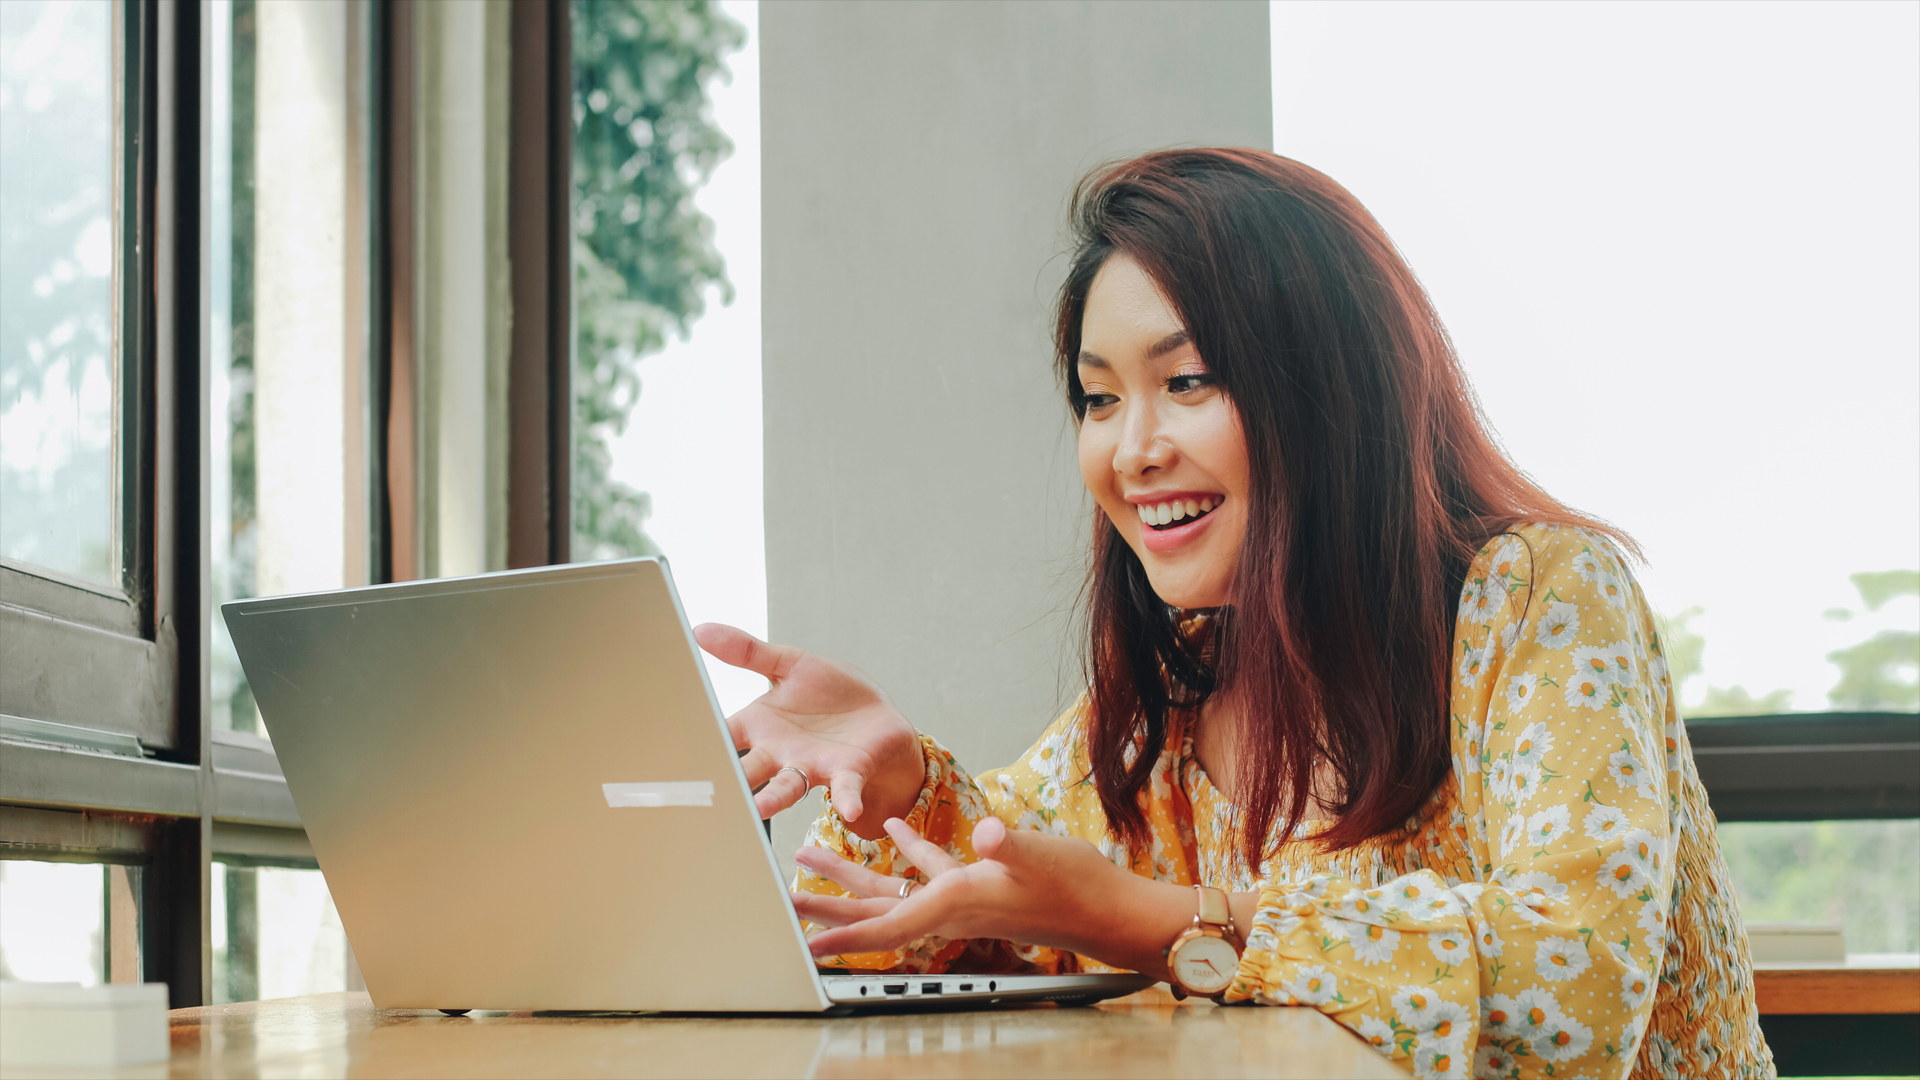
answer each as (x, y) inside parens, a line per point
(1862, 984)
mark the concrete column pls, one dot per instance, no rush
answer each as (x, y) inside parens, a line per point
(302, 369)
(924, 513)
(465, 286)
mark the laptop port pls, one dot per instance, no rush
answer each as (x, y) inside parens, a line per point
(964, 987)
(895, 988)
(930, 988)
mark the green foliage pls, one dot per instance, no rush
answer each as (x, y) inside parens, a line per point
(1860, 874)
(644, 140)
(1882, 672)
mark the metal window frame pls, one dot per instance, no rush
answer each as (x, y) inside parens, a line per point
(1809, 766)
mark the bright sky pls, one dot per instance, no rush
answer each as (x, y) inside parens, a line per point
(1677, 245)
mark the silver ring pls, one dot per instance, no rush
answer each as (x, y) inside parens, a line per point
(907, 887)
(805, 780)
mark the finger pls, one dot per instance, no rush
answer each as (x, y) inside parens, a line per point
(839, 910)
(783, 789)
(759, 765)
(732, 645)
(906, 921)
(855, 878)
(927, 855)
(993, 840)
(845, 792)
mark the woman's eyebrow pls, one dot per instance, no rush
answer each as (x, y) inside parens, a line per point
(1094, 360)
(1169, 343)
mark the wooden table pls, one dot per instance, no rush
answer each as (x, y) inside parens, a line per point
(328, 1035)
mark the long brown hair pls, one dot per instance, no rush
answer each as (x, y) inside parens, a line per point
(1374, 482)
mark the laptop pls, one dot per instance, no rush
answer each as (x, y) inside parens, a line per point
(523, 796)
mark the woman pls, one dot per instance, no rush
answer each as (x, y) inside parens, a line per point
(1347, 665)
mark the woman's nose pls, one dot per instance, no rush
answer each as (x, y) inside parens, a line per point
(1143, 445)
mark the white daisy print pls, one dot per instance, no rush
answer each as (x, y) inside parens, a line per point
(1614, 589)
(1510, 635)
(1378, 1033)
(1635, 987)
(1494, 1063)
(1653, 919)
(1627, 770)
(1621, 662)
(1371, 944)
(1560, 625)
(1533, 745)
(1549, 825)
(1414, 1006)
(1526, 782)
(1537, 889)
(1500, 777)
(1473, 663)
(1445, 1025)
(1644, 850)
(1313, 985)
(1605, 822)
(1511, 834)
(1409, 893)
(1472, 741)
(1673, 746)
(1590, 567)
(1439, 1061)
(1622, 873)
(1369, 906)
(1559, 959)
(1475, 598)
(1534, 1010)
(1593, 662)
(1591, 691)
(1488, 939)
(1451, 946)
(1562, 1039)
(1032, 820)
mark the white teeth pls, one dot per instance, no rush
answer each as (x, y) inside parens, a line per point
(1193, 508)
(1206, 506)
(1179, 509)
(1146, 515)
(1163, 514)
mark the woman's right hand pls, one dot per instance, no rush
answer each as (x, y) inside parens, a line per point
(827, 719)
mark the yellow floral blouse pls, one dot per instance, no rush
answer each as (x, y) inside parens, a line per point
(1559, 908)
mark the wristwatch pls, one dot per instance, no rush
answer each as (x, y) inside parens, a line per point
(1204, 957)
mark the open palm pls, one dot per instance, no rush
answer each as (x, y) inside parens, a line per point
(826, 719)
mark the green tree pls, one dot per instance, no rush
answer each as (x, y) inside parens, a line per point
(1880, 672)
(644, 141)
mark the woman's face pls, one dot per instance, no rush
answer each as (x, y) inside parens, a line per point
(1160, 446)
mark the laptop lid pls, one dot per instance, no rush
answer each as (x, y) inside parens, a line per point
(523, 795)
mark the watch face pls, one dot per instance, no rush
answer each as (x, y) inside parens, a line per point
(1205, 965)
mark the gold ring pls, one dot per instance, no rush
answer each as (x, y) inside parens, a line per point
(805, 780)
(907, 887)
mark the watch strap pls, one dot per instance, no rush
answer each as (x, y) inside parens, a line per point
(1214, 908)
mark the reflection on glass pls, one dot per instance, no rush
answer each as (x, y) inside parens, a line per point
(56, 286)
(275, 934)
(230, 504)
(1861, 875)
(52, 919)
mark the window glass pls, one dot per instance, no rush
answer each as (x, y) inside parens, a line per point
(230, 503)
(275, 934)
(1860, 875)
(56, 286)
(53, 920)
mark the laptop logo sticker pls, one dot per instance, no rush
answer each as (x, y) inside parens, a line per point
(660, 793)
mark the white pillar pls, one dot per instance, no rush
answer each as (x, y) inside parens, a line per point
(925, 516)
(466, 284)
(301, 346)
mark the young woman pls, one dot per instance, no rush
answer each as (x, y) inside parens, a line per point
(1374, 724)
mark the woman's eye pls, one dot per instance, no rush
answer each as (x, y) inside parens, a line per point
(1186, 384)
(1094, 403)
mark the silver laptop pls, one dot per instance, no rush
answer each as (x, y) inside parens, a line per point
(523, 796)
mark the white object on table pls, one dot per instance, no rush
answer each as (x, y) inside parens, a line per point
(69, 1025)
(1787, 942)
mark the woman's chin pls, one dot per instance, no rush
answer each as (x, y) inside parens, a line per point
(1188, 595)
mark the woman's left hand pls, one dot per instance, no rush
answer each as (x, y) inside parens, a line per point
(1027, 887)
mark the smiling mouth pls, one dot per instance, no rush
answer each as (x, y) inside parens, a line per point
(1174, 513)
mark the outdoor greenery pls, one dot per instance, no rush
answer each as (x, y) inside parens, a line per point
(644, 141)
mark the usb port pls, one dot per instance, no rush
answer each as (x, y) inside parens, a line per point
(930, 988)
(895, 988)
(964, 987)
